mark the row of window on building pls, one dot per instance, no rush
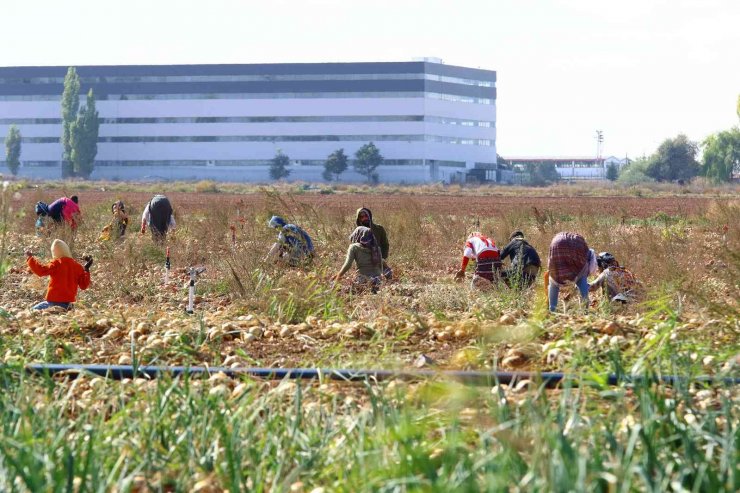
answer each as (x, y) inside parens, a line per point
(244, 162)
(247, 78)
(275, 138)
(264, 119)
(272, 95)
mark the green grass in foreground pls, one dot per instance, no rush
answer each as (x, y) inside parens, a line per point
(180, 435)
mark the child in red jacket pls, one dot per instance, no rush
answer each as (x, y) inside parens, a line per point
(66, 276)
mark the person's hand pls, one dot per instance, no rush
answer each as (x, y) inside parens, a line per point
(88, 262)
(29, 253)
(143, 229)
(460, 275)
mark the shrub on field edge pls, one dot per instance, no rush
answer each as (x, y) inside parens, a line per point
(206, 186)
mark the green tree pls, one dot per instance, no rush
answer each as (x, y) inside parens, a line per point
(612, 172)
(635, 172)
(13, 149)
(335, 165)
(367, 159)
(279, 166)
(674, 160)
(722, 155)
(541, 174)
(70, 107)
(84, 138)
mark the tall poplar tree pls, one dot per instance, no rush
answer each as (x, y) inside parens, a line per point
(13, 149)
(70, 107)
(84, 138)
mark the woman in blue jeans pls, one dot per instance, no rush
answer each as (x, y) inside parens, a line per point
(570, 262)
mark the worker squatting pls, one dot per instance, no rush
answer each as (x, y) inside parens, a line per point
(570, 260)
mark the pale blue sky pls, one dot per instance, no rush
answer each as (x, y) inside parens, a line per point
(640, 71)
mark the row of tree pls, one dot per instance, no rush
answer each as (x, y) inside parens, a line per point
(367, 160)
(675, 160)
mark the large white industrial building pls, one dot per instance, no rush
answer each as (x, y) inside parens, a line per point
(431, 121)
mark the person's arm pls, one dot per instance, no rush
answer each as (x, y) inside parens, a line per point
(67, 210)
(145, 219)
(273, 253)
(468, 253)
(347, 261)
(70, 210)
(597, 283)
(508, 251)
(383, 243)
(534, 257)
(83, 281)
(172, 222)
(593, 266)
(37, 267)
(460, 275)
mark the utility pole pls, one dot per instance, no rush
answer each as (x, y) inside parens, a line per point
(599, 147)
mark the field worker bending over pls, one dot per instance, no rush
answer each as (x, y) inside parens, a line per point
(487, 258)
(117, 227)
(65, 209)
(293, 244)
(42, 213)
(525, 262)
(570, 262)
(365, 218)
(617, 283)
(66, 276)
(363, 251)
(159, 216)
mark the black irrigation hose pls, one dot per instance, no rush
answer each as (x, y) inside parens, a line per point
(549, 379)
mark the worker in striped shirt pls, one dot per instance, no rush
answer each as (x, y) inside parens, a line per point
(487, 258)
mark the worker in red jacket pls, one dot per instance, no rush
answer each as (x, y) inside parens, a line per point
(66, 276)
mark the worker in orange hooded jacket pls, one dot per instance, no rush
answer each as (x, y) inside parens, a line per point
(66, 276)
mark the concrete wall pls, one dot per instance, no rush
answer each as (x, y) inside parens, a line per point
(567, 173)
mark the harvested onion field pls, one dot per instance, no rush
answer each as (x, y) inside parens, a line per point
(219, 434)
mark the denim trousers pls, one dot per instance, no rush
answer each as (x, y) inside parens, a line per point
(49, 304)
(554, 291)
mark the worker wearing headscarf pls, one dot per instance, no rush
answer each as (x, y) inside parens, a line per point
(65, 273)
(365, 218)
(293, 244)
(365, 253)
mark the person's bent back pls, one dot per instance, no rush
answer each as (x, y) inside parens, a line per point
(525, 262)
(293, 246)
(570, 262)
(158, 215)
(65, 209)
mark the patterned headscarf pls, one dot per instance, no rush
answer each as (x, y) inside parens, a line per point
(276, 222)
(365, 237)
